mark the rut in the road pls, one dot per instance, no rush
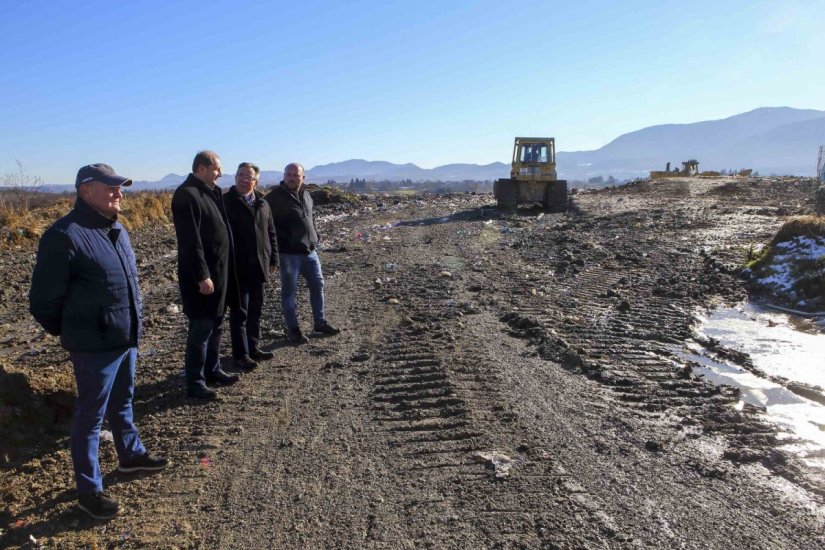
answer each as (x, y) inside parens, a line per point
(443, 408)
(609, 316)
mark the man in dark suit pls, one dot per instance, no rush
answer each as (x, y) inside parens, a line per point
(206, 272)
(256, 256)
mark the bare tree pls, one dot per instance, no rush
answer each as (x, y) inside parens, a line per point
(20, 187)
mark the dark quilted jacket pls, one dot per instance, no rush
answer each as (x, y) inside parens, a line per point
(85, 284)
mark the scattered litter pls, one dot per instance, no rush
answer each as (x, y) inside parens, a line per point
(499, 462)
(34, 540)
(389, 266)
(106, 435)
(506, 229)
(446, 274)
(332, 217)
(19, 523)
(393, 301)
(173, 309)
(206, 462)
(488, 222)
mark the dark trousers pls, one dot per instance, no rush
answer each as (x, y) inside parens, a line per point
(202, 358)
(105, 387)
(245, 319)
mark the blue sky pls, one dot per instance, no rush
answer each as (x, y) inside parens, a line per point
(143, 85)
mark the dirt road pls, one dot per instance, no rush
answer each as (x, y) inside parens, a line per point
(501, 382)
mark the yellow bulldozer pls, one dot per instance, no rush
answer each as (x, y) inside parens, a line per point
(533, 177)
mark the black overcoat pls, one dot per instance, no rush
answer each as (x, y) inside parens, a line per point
(253, 236)
(204, 249)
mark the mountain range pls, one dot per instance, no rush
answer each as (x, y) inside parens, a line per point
(770, 140)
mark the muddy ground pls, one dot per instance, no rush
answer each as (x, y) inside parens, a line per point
(501, 382)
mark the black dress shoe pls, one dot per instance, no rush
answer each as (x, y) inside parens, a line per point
(259, 355)
(199, 391)
(98, 505)
(326, 328)
(221, 378)
(245, 363)
(144, 462)
(295, 336)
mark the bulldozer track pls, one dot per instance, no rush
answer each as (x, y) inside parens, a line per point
(607, 316)
(439, 413)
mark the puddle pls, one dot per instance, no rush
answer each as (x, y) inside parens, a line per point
(780, 345)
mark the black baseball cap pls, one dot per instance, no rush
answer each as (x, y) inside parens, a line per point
(100, 172)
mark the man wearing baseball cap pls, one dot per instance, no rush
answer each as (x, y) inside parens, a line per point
(85, 290)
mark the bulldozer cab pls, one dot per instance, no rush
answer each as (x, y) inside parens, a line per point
(532, 177)
(534, 159)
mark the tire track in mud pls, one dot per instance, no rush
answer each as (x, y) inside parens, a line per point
(608, 316)
(443, 410)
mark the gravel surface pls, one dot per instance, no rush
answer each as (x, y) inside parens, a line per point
(500, 382)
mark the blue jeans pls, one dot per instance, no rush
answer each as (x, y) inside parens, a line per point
(308, 266)
(202, 357)
(105, 386)
(245, 319)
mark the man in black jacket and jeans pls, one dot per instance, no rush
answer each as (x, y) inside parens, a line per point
(291, 207)
(256, 256)
(206, 272)
(85, 289)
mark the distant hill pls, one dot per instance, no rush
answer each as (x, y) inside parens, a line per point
(771, 140)
(171, 181)
(380, 170)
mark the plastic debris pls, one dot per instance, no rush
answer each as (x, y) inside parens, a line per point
(106, 435)
(205, 462)
(499, 462)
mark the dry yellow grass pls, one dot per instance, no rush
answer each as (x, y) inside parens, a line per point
(802, 226)
(146, 207)
(24, 219)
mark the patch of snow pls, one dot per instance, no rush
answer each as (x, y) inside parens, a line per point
(783, 275)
